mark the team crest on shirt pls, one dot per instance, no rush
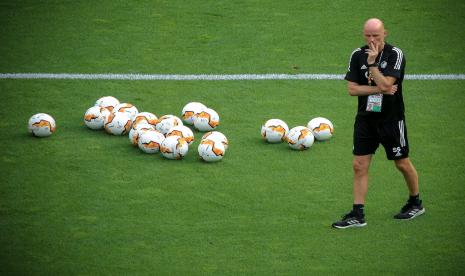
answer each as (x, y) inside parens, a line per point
(383, 64)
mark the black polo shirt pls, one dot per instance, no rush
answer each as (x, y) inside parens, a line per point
(391, 63)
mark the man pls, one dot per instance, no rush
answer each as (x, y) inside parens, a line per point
(375, 76)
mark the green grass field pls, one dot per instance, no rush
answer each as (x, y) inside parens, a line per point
(84, 202)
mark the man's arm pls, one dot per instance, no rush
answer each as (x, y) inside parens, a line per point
(384, 83)
(356, 89)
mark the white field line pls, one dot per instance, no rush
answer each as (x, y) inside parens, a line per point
(210, 76)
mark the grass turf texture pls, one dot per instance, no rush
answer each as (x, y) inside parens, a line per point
(83, 202)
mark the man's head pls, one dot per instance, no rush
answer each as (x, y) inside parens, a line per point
(374, 32)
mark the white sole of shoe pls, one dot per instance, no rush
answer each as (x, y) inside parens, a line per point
(419, 213)
(350, 226)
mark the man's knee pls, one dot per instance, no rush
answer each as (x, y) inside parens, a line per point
(404, 165)
(360, 165)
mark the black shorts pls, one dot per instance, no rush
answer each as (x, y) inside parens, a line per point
(392, 135)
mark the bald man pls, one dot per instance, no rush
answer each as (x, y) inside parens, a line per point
(375, 76)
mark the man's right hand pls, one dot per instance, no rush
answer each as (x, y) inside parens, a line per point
(372, 52)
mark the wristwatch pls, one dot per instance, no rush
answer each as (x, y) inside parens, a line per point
(373, 65)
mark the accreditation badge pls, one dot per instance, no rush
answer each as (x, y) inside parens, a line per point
(374, 103)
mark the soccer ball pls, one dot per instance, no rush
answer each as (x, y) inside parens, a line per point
(118, 123)
(166, 122)
(321, 128)
(190, 110)
(300, 138)
(126, 108)
(181, 131)
(211, 150)
(109, 102)
(94, 118)
(207, 120)
(135, 133)
(41, 125)
(274, 130)
(174, 147)
(217, 136)
(145, 117)
(150, 141)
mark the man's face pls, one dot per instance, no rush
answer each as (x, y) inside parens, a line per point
(374, 35)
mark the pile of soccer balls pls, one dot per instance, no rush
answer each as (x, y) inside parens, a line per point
(299, 137)
(167, 134)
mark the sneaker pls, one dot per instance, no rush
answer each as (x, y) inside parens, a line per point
(350, 220)
(410, 211)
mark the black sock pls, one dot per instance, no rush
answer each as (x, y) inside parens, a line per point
(415, 199)
(358, 210)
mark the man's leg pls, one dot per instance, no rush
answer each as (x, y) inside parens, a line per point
(361, 164)
(366, 141)
(406, 167)
(356, 218)
(413, 207)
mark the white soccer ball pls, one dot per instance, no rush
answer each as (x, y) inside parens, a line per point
(181, 131)
(135, 133)
(190, 110)
(41, 125)
(127, 108)
(274, 131)
(207, 120)
(211, 150)
(217, 136)
(109, 102)
(150, 141)
(118, 123)
(321, 128)
(166, 122)
(174, 147)
(145, 117)
(94, 118)
(300, 138)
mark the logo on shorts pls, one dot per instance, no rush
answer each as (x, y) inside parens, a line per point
(397, 151)
(383, 64)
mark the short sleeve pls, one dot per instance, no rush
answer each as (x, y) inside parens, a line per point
(353, 71)
(395, 63)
